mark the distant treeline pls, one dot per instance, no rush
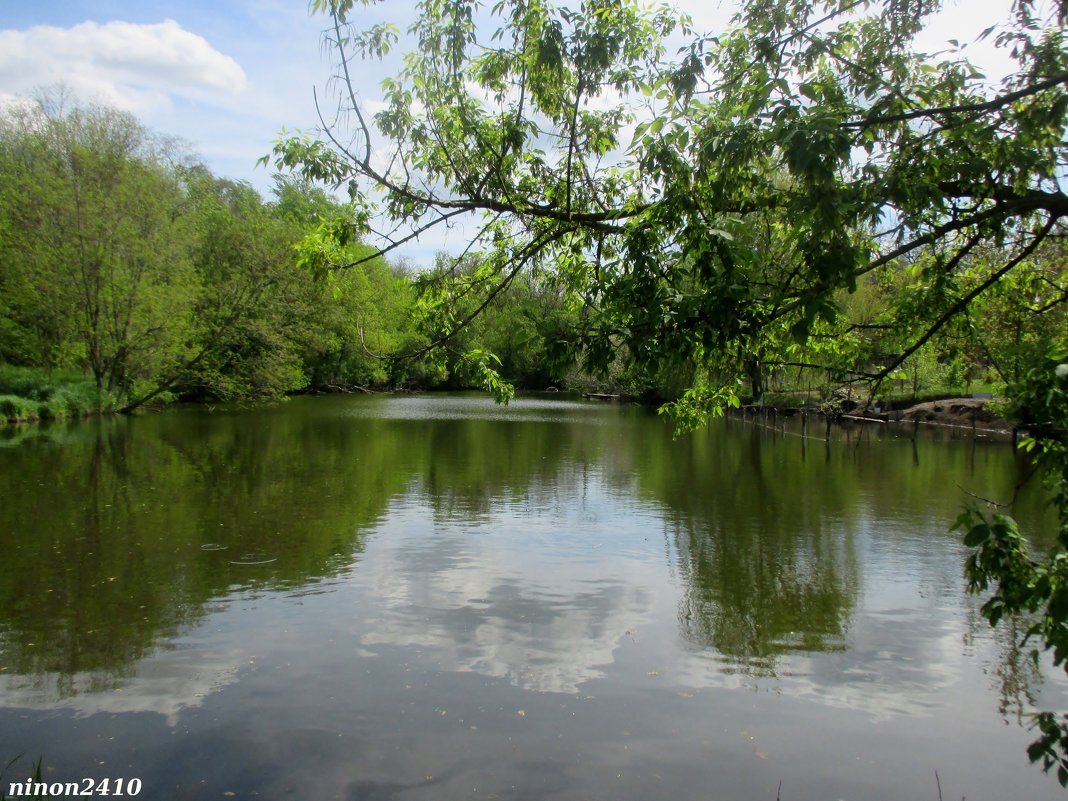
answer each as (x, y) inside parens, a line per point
(131, 275)
(125, 262)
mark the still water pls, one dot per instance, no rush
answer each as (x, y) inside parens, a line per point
(439, 598)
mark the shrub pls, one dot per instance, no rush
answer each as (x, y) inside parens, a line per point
(14, 409)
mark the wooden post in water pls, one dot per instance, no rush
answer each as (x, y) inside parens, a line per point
(915, 428)
(804, 422)
(827, 436)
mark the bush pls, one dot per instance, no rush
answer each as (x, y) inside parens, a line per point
(32, 394)
(14, 409)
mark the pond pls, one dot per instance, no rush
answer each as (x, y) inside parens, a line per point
(433, 597)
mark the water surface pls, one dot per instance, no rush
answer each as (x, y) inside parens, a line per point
(436, 598)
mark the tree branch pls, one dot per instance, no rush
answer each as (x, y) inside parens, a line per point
(529, 251)
(965, 108)
(962, 303)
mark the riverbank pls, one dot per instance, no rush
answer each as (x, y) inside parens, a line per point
(956, 412)
(981, 416)
(29, 395)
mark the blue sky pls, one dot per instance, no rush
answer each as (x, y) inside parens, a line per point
(224, 76)
(227, 76)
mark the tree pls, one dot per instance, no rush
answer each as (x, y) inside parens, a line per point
(357, 319)
(863, 152)
(95, 260)
(1025, 311)
(122, 258)
(251, 306)
(638, 185)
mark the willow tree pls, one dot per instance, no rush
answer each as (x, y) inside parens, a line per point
(702, 198)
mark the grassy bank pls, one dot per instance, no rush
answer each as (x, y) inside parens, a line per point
(32, 395)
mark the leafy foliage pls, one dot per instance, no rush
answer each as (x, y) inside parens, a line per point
(123, 258)
(1002, 560)
(711, 209)
(94, 270)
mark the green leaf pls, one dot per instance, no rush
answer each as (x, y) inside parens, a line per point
(977, 535)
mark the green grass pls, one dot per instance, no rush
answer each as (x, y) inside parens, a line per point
(28, 394)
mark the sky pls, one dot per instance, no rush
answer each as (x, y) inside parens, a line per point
(227, 76)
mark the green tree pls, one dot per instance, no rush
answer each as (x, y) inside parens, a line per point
(519, 329)
(359, 319)
(250, 308)
(861, 150)
(122, 258)
(94, 261)
(1014, 323)
(816, 117)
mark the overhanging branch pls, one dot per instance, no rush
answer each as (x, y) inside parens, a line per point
(965, 108)
(963, 302)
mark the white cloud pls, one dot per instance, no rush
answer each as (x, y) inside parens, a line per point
(134, 67)
(167, 682)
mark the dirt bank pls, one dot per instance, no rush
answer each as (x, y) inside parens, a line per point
(955, 412)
